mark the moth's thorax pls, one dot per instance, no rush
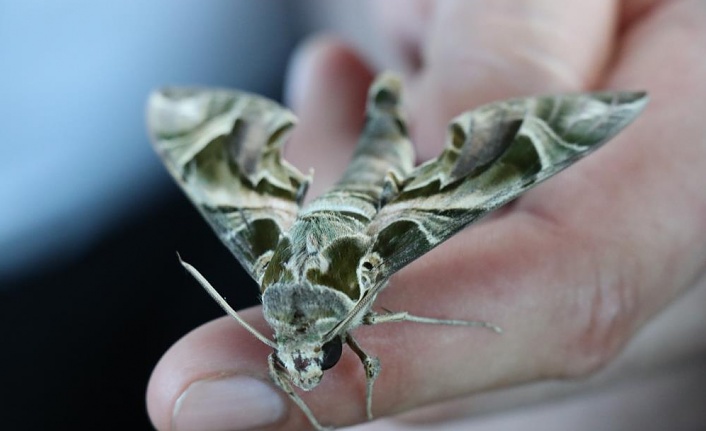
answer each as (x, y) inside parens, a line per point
(324, 248)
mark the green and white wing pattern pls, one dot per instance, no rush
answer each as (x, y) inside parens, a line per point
(223, 148)
(492, 155)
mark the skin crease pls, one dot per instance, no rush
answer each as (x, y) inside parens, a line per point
(575, 266)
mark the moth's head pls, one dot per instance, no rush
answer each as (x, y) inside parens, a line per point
(305, 363)
(303, 313)
(302, 317)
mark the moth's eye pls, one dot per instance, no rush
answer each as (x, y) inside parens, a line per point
(278, 362)
(332, 353)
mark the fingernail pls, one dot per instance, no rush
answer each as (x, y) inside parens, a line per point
(229, 404)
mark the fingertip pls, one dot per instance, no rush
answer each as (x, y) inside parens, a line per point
(326, 69)
(217, 361)
(216, 378)
(326, 86)
(157, 398)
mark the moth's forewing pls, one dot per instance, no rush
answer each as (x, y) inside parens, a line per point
(223, 148)
(472, 178)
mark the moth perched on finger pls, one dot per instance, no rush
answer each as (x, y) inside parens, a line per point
(321, 266)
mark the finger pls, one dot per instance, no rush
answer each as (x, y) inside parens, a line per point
(648, 184)
(473, 52)
(607, 244)
(180, 395)
(326, 87)
(404, 25)
(590, 264)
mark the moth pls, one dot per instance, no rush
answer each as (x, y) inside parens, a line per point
(321, 266)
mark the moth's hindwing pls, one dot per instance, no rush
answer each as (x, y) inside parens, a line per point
(224, 147)
(492, 155)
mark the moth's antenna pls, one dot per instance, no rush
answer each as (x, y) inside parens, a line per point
(222, 302)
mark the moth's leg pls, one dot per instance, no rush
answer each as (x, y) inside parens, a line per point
(282, 381)
(375, 318)
(372, 370)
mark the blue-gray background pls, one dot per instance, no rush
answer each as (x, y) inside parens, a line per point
(73, 79)
(91, 294)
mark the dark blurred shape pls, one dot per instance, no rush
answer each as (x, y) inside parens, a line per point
(91, 292)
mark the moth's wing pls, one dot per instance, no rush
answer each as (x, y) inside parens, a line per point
(492, 155)
(224, 149)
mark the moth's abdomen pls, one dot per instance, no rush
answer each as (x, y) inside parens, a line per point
(384, 151)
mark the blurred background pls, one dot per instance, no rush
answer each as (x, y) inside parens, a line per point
(91, 294)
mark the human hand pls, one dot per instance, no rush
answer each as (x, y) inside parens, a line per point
(571, 270)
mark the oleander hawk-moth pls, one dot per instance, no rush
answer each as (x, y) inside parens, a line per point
(321, 266)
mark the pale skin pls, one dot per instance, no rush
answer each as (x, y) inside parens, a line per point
(571, 270)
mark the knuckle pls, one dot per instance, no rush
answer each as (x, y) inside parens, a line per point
(607, 316)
